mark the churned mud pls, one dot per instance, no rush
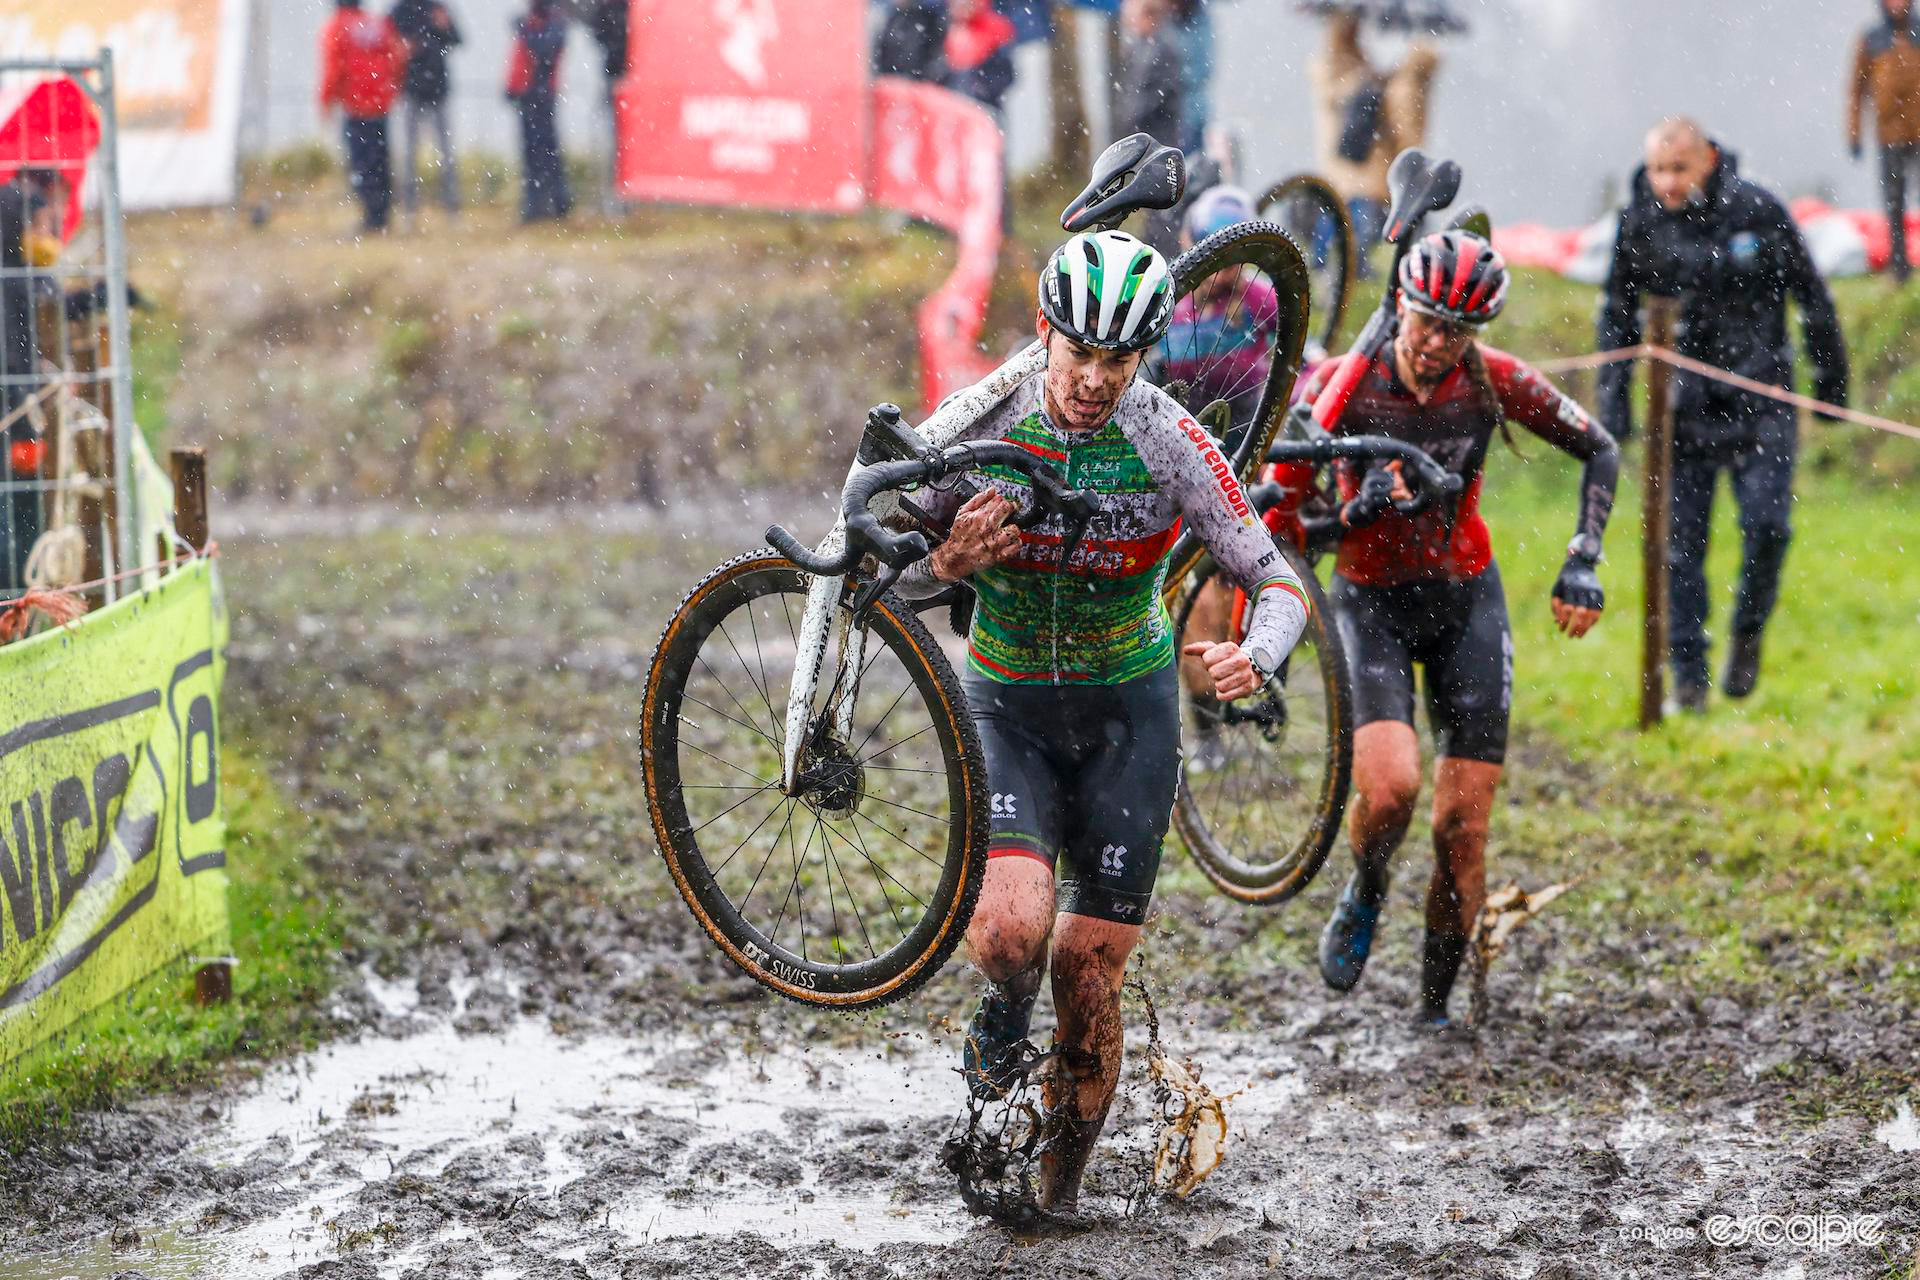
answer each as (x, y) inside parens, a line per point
(544, 1070)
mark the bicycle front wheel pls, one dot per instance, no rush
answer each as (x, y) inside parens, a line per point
(1316, 217)
(1239, 326)
(1263, 780)
(852, 887)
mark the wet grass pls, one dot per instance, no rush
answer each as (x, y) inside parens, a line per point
(286, 934)
(1790, 834)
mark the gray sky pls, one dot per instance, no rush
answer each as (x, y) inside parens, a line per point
(1543, 103)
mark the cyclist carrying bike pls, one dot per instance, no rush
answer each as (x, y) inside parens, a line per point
(1071, 677)
(1425, 590)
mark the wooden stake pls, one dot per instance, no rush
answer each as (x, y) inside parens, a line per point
(1653, 515)
(190, 494)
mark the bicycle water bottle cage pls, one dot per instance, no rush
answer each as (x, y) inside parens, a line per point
(1418, 186)
(1134, 173)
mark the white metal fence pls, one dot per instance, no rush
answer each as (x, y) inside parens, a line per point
(70, 509)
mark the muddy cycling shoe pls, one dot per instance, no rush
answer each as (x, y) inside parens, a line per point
(1348, 938)
(997, 1055)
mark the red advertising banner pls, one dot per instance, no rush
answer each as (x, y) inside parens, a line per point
(746, 102)
(937, 155)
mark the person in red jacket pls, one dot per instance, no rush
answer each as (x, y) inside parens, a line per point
(363, 61)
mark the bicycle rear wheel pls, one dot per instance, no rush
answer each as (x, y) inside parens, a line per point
(853, 889)
(1316, 217)
(1264, 780)
(1239, 325)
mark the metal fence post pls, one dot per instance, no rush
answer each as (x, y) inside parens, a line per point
(119, 330)
(1654, 496)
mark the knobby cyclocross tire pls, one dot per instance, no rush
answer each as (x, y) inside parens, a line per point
(1313, 213)
(1259, 804)
(711, 729)
(1261, 251)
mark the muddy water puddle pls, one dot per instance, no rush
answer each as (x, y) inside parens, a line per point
(607, 1141)
(421, 1106)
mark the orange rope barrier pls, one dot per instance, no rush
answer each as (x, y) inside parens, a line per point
(1678, 361)
(65, 604)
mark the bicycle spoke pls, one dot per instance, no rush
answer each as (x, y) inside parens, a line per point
(853, 906)
(741, 908)
(757, 791)
(766, 685)
(748, 673)
(895, 804)
(730, 719)
(896, 746)
(724, 688)
(715, 871)
(879, 872)
(904, 842)
(771, 782)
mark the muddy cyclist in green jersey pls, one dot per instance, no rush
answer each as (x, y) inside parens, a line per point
(1071, 673)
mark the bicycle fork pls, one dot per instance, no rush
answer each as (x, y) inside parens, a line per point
(816, 628)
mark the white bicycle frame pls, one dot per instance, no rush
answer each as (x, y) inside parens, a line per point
(955, 414)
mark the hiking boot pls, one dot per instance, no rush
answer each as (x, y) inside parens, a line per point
(1743, 665)
(1348, 938)
(996, 1053)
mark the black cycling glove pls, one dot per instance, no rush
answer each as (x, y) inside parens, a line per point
(1578, 585)
(1374, 500)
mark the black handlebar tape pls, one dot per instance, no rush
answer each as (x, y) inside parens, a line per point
(793, 549)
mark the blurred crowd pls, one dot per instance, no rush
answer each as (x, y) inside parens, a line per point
(373, 65)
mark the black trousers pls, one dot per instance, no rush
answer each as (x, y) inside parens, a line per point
(1899, 167)
(543, 170)
(370, 168)
(1761, 473)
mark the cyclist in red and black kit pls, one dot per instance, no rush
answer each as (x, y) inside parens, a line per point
(1424, 590)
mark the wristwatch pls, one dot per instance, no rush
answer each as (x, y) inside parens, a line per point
(1585, 546)
(1264, 663)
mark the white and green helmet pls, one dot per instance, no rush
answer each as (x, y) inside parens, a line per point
(1108, 290)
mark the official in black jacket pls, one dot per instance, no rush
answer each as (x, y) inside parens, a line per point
(1694, 229)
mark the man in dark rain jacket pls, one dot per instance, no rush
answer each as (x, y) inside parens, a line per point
(533, 85)
(1696, 230)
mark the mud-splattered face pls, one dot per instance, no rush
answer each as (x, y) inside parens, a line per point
(1428, 347)
(1084, 384)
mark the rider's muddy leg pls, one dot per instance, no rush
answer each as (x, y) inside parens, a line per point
(1463, 792)
(1386, 782)
(1089, 964)
(1008, 932)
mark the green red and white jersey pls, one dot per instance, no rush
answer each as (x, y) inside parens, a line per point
(1100, 619)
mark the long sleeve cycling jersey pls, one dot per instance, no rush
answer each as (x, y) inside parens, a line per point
(1455, 426)
(1099, 618)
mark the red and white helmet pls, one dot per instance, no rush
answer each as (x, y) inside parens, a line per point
(1454, 275)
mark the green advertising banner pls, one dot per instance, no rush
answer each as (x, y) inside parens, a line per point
(112, 842)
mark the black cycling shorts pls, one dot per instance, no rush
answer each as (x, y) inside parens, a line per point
(1088, 772)
(1458, 632)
